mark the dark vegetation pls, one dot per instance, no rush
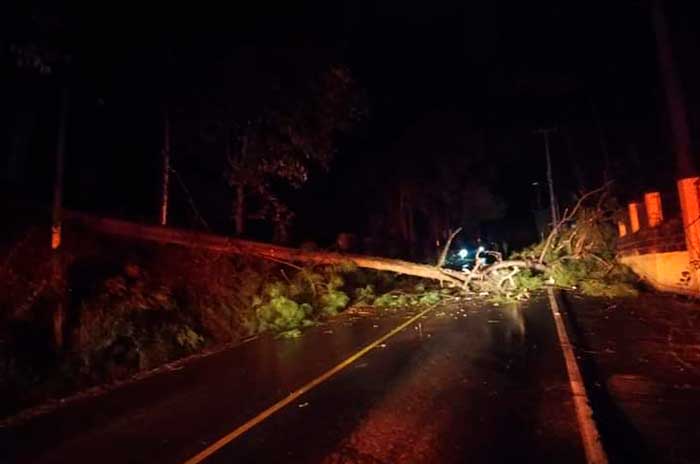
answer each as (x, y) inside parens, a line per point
(128, 307)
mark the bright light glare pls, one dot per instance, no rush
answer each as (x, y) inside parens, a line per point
(481, 249)
(463, 253)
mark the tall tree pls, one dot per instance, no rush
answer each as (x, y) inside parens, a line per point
(279, 146)
(448, 189)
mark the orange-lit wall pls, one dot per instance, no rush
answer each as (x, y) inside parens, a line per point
(621, 229)
(634, 216)
(690, 209)
(657, 264)
(667, 272)
(652, 204)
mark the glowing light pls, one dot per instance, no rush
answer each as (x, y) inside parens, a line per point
(481, 249)
(55, 236)
(463, 253)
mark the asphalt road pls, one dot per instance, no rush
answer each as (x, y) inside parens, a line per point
(467, 382)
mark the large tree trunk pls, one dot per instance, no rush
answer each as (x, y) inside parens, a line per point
(227, 245)
(58, 177)
(57, 219)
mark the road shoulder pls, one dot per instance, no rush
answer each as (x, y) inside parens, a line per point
(641, 362)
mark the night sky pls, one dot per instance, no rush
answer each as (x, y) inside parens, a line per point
(472, 79)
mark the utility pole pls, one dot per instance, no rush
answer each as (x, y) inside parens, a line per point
(57, 214)
(550, 178)
(56, 222)
(165, 168)
(168, 65)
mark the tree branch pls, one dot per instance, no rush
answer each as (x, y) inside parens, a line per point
(568, 216)
(446, 248)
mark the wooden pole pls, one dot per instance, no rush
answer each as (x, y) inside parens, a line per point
(165, 169)
(58, 177)
(57, 222)
(550, 177)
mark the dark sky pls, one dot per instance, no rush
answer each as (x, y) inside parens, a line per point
(499, 69)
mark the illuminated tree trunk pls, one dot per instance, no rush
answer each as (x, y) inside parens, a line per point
(57, 223)
(234, 246)
(165, 169)
(58, 179)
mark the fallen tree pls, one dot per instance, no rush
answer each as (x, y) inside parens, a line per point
(578, 253)
(229, 245)
(580, 243)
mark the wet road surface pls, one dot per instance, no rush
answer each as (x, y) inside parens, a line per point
(641, 357)
(465, 383)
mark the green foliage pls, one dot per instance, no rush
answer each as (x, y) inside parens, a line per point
(365, 295)
(390, 300)
(293, 333)
(133, 323)
(333, 301)
(400, 300)
(306, 295)
(591, 278)
(188, 339)
(429, 298)
(275, 289)
(581, 257)
(346, 267)
(280, 314)
(528, 281)
(600, 288)
(570, 272)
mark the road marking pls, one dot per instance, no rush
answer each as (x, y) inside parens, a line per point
(228, 438)
(595, 454)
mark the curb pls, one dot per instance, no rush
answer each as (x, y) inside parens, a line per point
(590, 437)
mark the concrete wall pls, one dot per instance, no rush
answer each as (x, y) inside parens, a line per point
(664, 253)
(668, 272)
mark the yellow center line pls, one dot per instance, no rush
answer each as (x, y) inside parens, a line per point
(228, 438)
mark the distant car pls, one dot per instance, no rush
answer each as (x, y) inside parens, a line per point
(464, 257)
